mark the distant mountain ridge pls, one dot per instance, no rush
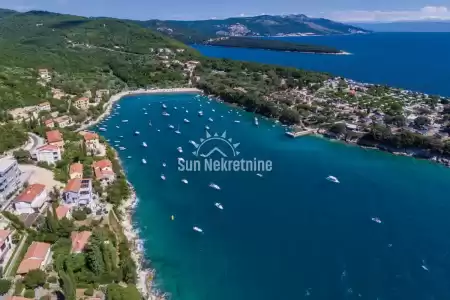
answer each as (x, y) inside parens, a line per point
(408, 26)
(264, 25)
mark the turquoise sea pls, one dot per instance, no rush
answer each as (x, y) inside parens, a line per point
(416, 61)
(290, 234)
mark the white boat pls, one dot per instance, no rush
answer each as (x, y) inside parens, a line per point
(124, 121)
(102, 129)
(256, 121)
(237, 121)
(158, 130)
(165, 114)
(150, 123)
(171, 126)
(175, 108)
(164, 106)
(178, 130)
(193, 143)
(144, 161)
(184, 181)
(218, 205)
(122, 148)
(198, 229)
(376, 220)
(186, 121)
(210, 119)
(214, 186)
(129, 156)
(180, 149)
(207, 127)
(213, 110)
(117, 126)
(145, 113)
(116, 141)
(163, 177)
(259, 175)
(137, 133)
(144, 144)
(121, 136)
(187, 111)
(332, 179)
(200, 113)
(164, 164)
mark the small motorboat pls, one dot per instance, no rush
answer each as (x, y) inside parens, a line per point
(164, 106)
(210, 119)
(116, 141)
(150, 123)
(256, 121)
(376, 220)
(207, 127)
(218, 205)
(165, 113)
(117, 126)
(102, 129)
(145, 113)
(171, 126)
(129, 156)
(124, 121)
(187, 111)
(121, 136)
(213, 110)
(186, 121)
(164, 165)
(184, 181)
(144, 144)
(214, 186)
(158, 130)
(237, 121)
(200, 113)
(198, 229)
(122, 148)
(178, 130)
(137, 133)
(175, 108)
(332, 179)
(180, 149)
(163, 177)
(144, 161)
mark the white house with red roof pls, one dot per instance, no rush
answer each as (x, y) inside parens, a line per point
(31, 199)
(91, 141)
(37, 257)
(5, 243)
(63, 211)
(79, 240)
(48, 153)
(103, 171)
(55, 138)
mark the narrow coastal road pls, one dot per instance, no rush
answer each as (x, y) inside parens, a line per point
(37, 141)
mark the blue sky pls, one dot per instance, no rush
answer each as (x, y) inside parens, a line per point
(341, 10)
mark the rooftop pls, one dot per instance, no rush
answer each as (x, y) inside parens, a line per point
(54, 136)
(3, 235)
(73, 185)
(102, 164)
(30, 193)
(90, 136)
(76, 168)
(79, 240)
(34, 257)
(61, 211)
(5, 163)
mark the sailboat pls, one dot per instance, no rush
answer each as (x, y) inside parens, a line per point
(178, 130)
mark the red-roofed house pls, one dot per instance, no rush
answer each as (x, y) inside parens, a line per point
(5, 243)
(49, 123)
(37, 257)
(31, 199)
(79, 240)
(91, 141)
(103, 171)
(78, 191)
(76, 171)
(54, 137)
(48, 153)
(82, 103)
(62, 211)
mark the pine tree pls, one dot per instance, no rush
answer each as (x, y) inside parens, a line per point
(68, 286)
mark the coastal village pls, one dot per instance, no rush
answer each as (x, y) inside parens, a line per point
(66, 205)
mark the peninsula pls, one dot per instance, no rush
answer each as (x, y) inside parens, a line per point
(270, 44)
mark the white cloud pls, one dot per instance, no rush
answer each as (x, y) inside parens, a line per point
(427, 12)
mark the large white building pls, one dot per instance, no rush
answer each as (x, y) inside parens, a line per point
(5, 243)
(31, 199)
(48, 153)
(9, 177)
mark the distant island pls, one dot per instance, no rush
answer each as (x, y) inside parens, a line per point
(266, 44)
(198, 31)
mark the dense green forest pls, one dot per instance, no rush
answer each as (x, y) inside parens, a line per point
(272, 44)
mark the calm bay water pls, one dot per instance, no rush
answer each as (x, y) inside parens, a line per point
(290, 234)
(416, 61)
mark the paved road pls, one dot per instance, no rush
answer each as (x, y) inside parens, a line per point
(36, 141)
